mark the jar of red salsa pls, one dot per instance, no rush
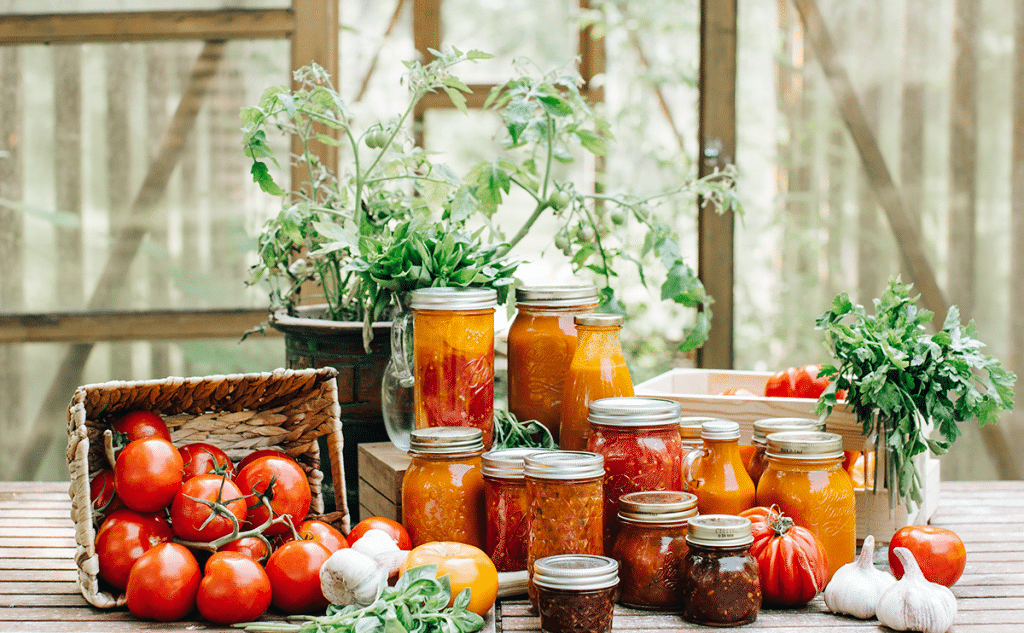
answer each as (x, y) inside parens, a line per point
(576, 593)
(639, 439)
(508, 507)
(721, 585)
(650, 547)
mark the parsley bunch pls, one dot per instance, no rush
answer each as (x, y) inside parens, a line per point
(901, 382)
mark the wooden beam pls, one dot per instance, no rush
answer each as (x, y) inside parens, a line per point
(68, 28)
(315, 39)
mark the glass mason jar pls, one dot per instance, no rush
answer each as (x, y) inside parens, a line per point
(508, 507)
(720, 579)
(805, 478)
(541, 343)
(759, 461)
(716, 473)
(598, 370)
(690, 428)
(639, 439)
(576, 593)
(443, 488)
(566, 506)
(650, 547)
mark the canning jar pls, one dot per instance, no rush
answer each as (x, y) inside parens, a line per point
(576, 593)
(639, 439)
(598, 370)
(806, 480)
(759, 461)
(720, 578)
(716, 473)
(541, 343)
(650, 547)
(566, 505)
(508, 507)
(443, 488)
(689, 435)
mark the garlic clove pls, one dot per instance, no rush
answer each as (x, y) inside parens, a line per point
(351, 577)
(855, 587)
(914, 603)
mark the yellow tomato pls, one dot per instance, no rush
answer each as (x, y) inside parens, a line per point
(465, 565)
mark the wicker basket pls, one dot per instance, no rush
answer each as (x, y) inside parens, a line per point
(287, 409)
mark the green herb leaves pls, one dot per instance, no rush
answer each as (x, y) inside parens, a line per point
(901, 382)
(509, 432)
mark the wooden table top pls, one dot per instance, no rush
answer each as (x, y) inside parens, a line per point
(38, 589)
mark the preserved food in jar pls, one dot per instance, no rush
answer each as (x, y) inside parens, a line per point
(443, 488)
(716, 473)
(720, 577)
(598, 370)
(576, 594)
(639, 439)
(541, 344)
(806, 480)
(650, 547)
(759, 461)
(508, 507)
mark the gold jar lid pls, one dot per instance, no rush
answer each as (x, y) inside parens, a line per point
(505, 463)
(442, 440)
(804, 444)
(719, 530)
(581, 572)
(776, 425)
(453, 298)
(563, 465)
(658, 506)
(556, 296)
(632, 411)
(720, 430)
(599, 319)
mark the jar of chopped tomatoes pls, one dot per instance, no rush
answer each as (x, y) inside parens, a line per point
(508, 507)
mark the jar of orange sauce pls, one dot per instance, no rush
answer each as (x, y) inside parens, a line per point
(716, 473)
(443, 488)
(759, 461)
(806, 480)
(541, 344)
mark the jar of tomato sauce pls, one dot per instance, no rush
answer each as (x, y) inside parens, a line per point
(598, 370)
(650, 546)
(759, 461)
(453, 352)
(721, 585)
(639, 439)
(716, 473)
(805, 478)
(508, 507)
(443, 488)
(564, 489)
(541, 344)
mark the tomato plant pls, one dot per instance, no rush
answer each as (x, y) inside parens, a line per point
(147, 474)
(294, 572)
(796, 382)
(394, 529)
(465, 565)
(123, 538)
(253, 547)
(939, 552)
(282, 482)
(136, 425)
(203, 507)
(163, 583)
(200, 458)
(101, 491)
(792, 564)
(235, 588)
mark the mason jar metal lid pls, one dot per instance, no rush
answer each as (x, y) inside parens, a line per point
(506, 463)
(804, 444)
(446, 298)
(719, 530)
(446, 439)
(775, 425)
(556, 296)
(690, 426)
(599, 319)
(557, 464)
(631, 411)
(582, 572)
(657, 506)
(720, 430)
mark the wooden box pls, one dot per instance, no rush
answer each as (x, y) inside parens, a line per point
(381, 471)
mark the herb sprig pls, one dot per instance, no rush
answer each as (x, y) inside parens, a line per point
(900, 381)
(510, 432)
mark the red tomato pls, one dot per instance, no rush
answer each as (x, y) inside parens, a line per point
(147, 474)
(251, 546)
(192, 512)
(235, 588)
(796, 382)
(283, 483)
(101, 490)
(163, 583)
(324, 533)
(738, 391)
(792, 564)
(123, 538)
(263, 452)
(939, 552)
(200, 458)
(139, 424)
(294, 571)
(393, 528)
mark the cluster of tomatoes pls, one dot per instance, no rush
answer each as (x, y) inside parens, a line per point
(163, 509)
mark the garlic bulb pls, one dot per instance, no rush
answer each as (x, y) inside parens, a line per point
(375, 541)
(914, 603)
(856, 587)
(349, 576)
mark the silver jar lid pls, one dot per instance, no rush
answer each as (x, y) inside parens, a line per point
(658, 506)
(599, 319)
(505, 463)
(565, 465)
(453, 298)
(720, 430)
(631, 411)
(440, 440)
(804, 444)
(581, 572)
(777, 425)
(719, 530)
(556, 296)
(690, 426)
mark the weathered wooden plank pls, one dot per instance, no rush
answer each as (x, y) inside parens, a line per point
(40, 575)
(37, 563)
(29, 523)
(29, 588)
(33, 531)
(50, 600)
(985, 591)
(38, 514)
(30, 543)
(32, 494)
(40, 504)
(49, 552)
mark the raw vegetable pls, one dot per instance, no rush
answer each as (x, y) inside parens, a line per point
(294, 572)
(395, 529)
(379, 546)
(796, 382)
(899, 379)
(792, 565)
(855, 587)
(509, 432)
(939, 552)
(466, 567)
(234, 588)
(351, 577)
(913, 603)
(163, 583)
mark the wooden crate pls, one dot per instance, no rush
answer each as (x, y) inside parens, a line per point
(381, 471)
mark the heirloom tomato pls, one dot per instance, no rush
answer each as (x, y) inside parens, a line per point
(147, 474)
(465, 566)
(201, 458)
(294, 572)
(193, 513)
(796, 382)
(792, 564)
(123, 538)
(282, 482)
(395, 530)
(136, 425)
(235, 588)
(163, 583)
(939, 552)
